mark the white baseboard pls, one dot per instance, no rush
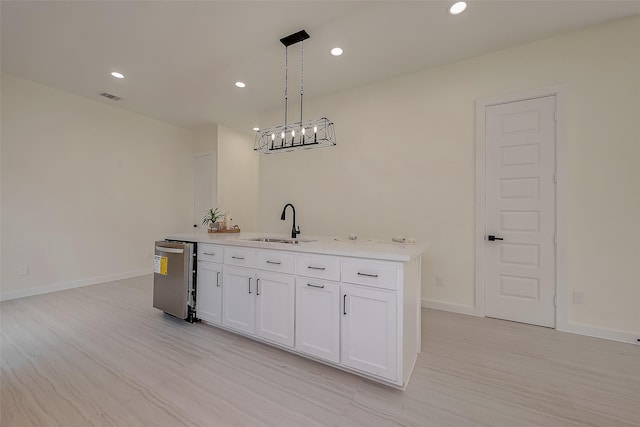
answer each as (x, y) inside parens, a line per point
(607, 334)
(573, 328)
(454, 308)
(54, 287)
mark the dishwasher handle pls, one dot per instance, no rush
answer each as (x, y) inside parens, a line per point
(169, 250)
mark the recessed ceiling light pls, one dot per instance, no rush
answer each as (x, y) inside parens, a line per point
(117, 75)
(240, 84)
(458, 7)
(256, 129)
(336, 51)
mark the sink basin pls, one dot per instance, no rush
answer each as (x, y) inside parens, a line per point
(278, 240)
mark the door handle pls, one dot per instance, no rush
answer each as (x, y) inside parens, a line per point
(258, 287)
(249, 284)
(344, 304)
(217, 278)
(493, 238)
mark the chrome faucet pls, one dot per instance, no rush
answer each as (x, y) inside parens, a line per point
(294, 231)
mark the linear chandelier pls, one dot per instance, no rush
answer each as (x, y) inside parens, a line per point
(303, 134)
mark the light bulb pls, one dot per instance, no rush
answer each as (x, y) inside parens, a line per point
(303, 131)
(293, 133)
(273, 136)
(282, 135)
(315, 129)
(457, 8)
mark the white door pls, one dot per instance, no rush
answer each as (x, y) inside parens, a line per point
(238, 299)
(318, 318)
(369, 334)
(520, 211)
(209, 292)
(204, 186)
(275, 305)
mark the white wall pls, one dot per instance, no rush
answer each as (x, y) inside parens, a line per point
(404, 165)
(205, 142)
(238, 177)
(86, 188)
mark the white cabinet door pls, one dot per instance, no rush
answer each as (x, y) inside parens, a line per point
(318, 318)
(238, 299)
(275, 302)
(369, 334)
(209, 292)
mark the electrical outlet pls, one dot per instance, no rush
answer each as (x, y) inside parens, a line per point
(439, 281)
(23, 270)
(578, 297)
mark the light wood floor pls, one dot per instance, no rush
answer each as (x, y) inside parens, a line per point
(101, 355)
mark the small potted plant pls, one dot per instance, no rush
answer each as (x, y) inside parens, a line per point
(211, 217)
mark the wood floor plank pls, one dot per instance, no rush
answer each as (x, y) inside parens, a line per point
(102, 356)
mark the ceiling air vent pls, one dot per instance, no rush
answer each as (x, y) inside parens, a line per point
(110, 96)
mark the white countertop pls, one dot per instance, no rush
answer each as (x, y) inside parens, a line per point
(375, 248)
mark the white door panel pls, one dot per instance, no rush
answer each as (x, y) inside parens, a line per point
(275, 307)
(318, 318)
(368, 331)
(209, 292)
(520, 209)
(238, 299)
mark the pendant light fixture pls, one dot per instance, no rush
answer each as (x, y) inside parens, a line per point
(303, 134)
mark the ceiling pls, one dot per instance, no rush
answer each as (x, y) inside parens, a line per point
(182, 58)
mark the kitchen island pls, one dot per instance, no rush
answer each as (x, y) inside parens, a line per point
(353, 304)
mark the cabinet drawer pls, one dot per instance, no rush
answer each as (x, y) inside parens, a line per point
(240, 257)
(275, 261)
(213, 253)
(321, 267)
(373, 274)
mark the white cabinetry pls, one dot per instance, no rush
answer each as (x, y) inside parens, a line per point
(209, 292)
(318, 266)
(212, 253)
(256, 302)
(369, 331)
(238, 302)
(277, 261)
(356, 313)
(318, 318)
(240, 257)
(275, 303)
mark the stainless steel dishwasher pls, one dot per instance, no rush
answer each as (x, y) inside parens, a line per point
(174, 279)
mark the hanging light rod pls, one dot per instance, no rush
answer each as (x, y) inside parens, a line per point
(303, 134)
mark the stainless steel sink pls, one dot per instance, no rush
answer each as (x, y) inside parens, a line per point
(278, 240)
